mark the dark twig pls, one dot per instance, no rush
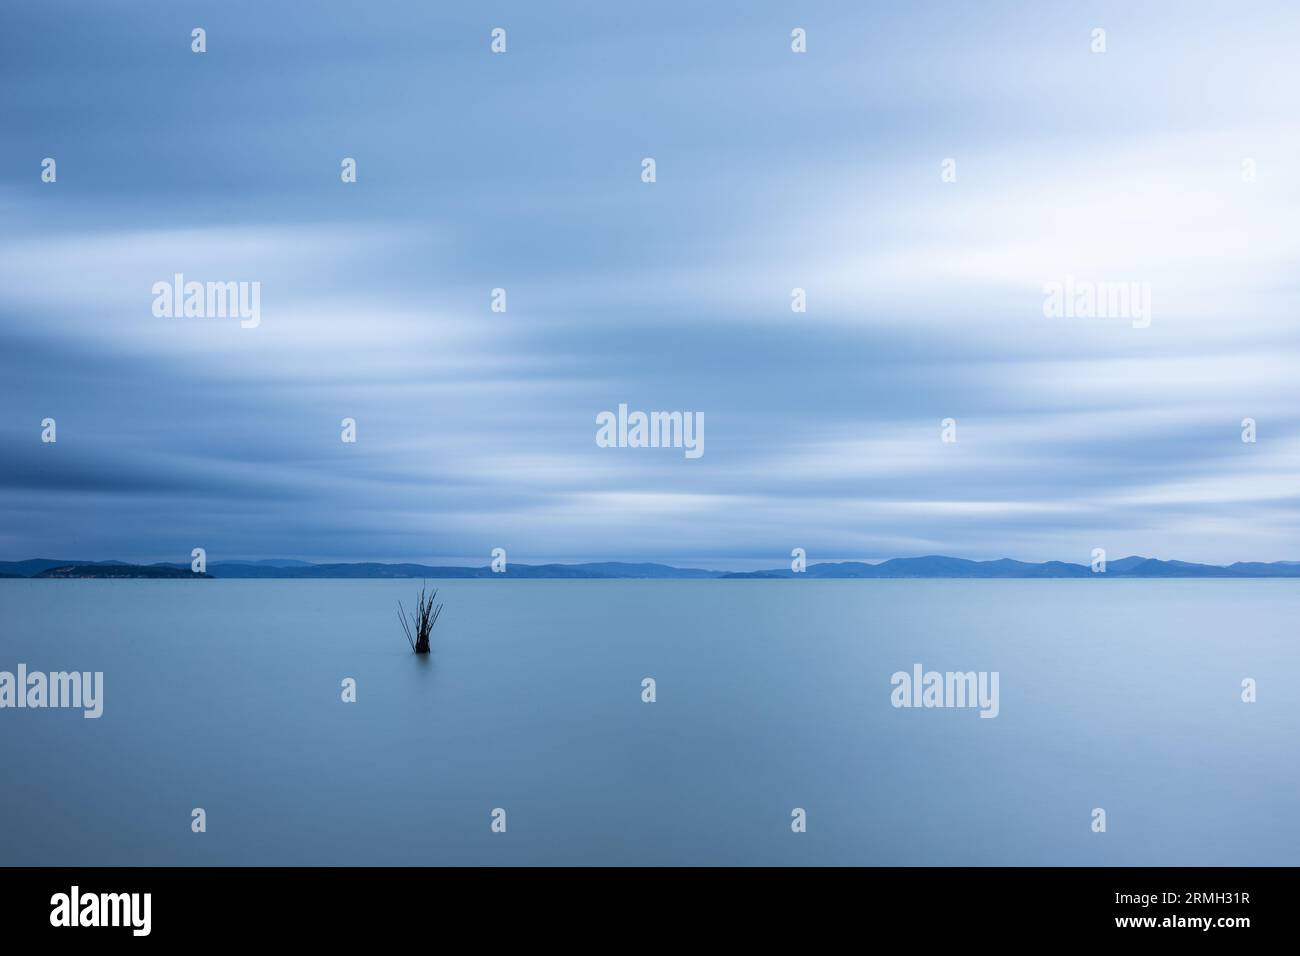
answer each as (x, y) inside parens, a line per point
(401, 616)
(422, 621)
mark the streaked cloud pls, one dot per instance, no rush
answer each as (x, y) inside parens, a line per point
(476, 429)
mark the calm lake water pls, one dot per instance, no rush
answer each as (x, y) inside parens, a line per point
(771, 695)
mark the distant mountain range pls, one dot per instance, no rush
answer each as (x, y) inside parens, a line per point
(110, 569)
(932, 566)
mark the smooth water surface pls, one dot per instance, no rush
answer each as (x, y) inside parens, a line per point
(772, 695)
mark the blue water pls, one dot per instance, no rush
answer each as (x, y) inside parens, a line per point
(772, 695)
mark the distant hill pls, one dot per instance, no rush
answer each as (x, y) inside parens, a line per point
(929, 566)
(113, 570)
(34, 566)
(1277, 569)
(606, 569)
(940, 566)
(1124, 564)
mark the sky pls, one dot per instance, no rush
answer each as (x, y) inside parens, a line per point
(1171, 160)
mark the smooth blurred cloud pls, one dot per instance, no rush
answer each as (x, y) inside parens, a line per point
(476, 428)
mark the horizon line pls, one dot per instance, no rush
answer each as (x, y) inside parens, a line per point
(780, 563)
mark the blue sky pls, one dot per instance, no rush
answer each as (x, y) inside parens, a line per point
(775, 170)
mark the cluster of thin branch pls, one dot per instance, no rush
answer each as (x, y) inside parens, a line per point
(421, 622)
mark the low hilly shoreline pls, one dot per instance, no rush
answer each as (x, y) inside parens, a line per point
(931, 566)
